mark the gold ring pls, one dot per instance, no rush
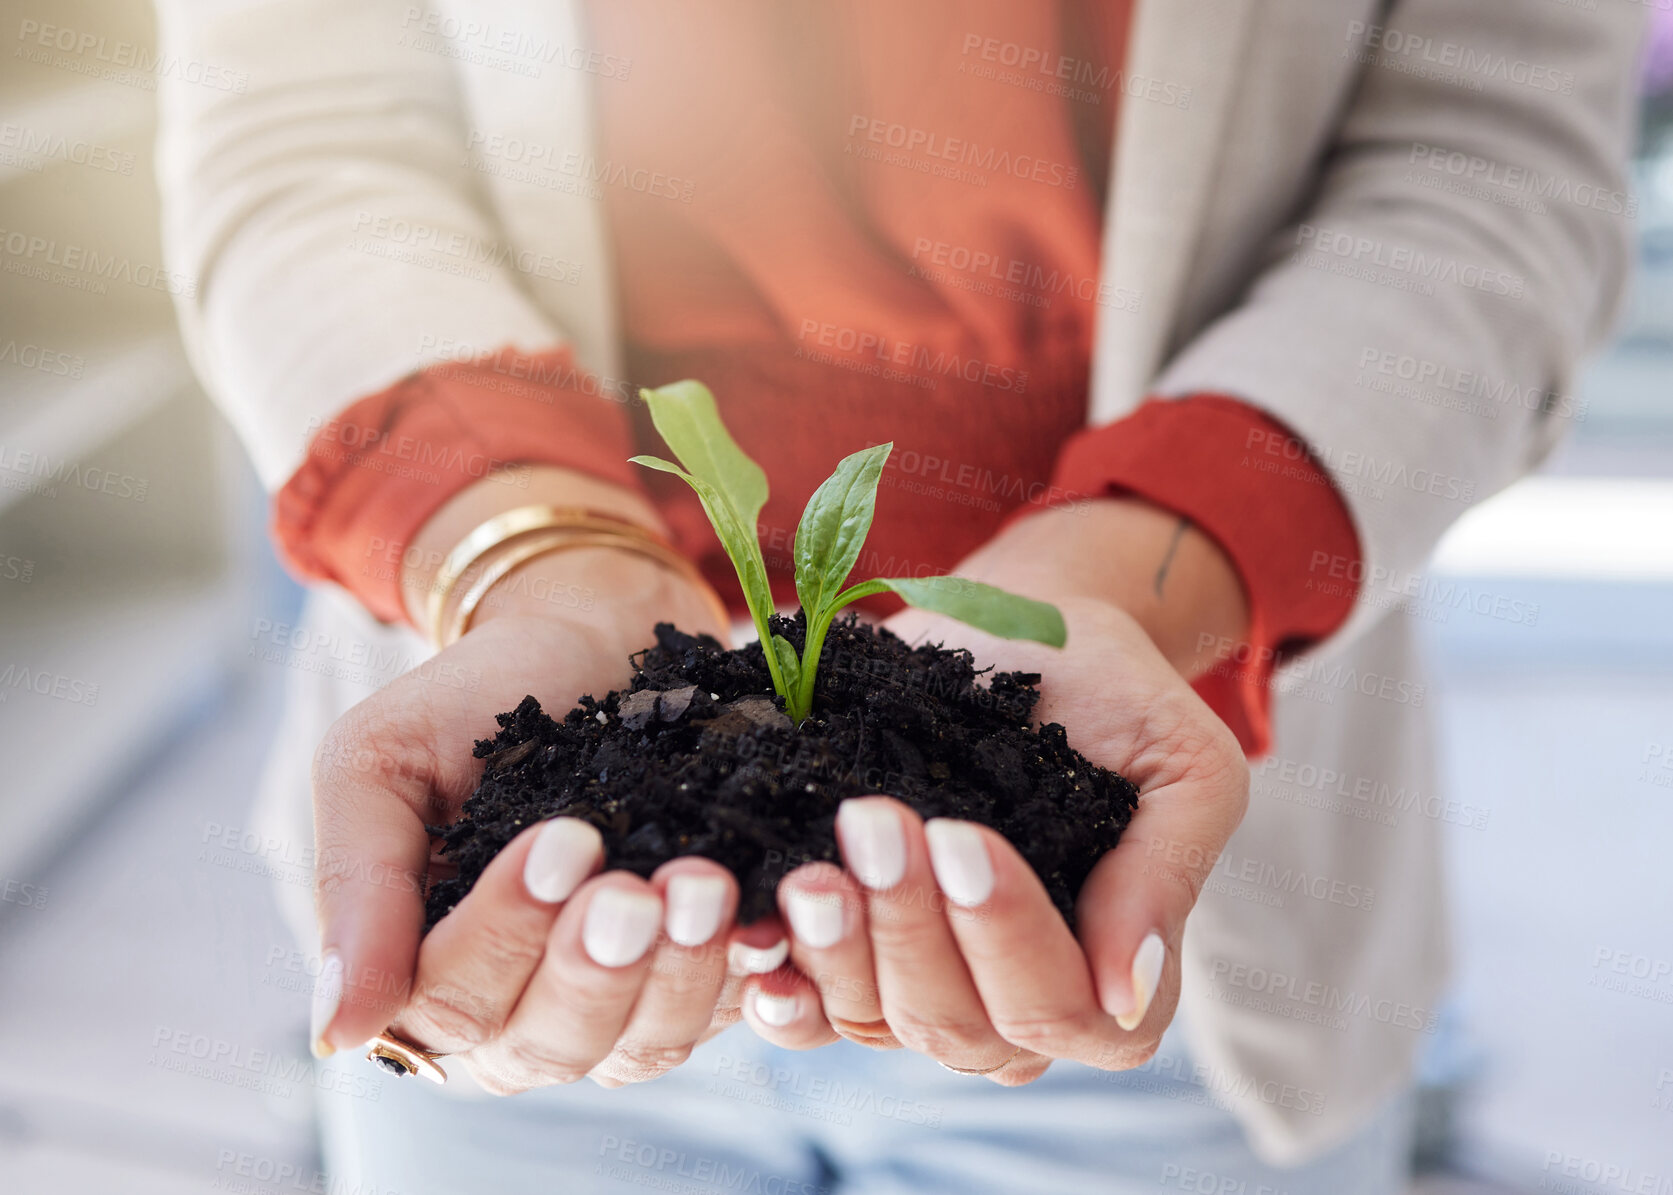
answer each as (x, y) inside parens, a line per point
(983, 1070)
(405, 1059)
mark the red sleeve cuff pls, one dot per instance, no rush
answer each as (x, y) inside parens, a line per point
(377, 472)
(1253, 487)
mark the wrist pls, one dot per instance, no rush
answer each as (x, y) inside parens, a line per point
(611, 591)
(1170, 577)
(423, 558)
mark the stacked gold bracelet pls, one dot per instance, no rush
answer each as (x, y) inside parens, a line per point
(516, 537)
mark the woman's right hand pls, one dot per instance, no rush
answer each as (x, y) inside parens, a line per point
(547, 970)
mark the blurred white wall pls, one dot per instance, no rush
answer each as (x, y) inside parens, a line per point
(125, 552)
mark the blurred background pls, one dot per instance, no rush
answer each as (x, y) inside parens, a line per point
(151, 1013)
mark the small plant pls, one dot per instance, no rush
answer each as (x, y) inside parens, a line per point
(733, 489)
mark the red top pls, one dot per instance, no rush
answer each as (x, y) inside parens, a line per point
(880, 223)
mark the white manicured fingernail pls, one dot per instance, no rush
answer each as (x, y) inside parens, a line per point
(1147, 973)
(757, 960)
(776, 1011)
(564, 853)
(328, 994)
(621, 925)
(815, 917)
(960, 860)
(695, 903)
(873, 843)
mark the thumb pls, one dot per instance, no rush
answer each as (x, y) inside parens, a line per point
(1132, 909)
(371, 855)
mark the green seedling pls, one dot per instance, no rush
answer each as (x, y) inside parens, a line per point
(733, 489)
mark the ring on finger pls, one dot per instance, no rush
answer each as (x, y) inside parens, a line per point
(400, 1056)
(983, 1070)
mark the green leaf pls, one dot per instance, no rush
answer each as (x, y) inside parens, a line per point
(737, 538)
(834, 526)
(687, 418)
(742, 547)
(787, 661)
(733, 487)
(985, 607)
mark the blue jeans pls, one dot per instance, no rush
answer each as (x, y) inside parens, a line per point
(742, 1116)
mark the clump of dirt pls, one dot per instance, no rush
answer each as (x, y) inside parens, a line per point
(697, 757)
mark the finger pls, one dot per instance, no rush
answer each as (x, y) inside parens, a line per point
(1027, 966)
(579, 997)
(474, 964)
(370, 855)
(688, 969)
(829, 943)
(926, 992)
(783, 1009)
(757, 948)
(754, 949)
(1132, 909)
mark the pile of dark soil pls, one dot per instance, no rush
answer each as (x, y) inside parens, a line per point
(696, 757)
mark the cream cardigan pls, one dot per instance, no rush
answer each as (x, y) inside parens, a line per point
(1296, 203)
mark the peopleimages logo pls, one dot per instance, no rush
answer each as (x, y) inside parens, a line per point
(785, 1086)
(1281, 778)
(459, 34)
(978, 479)
(1404, 259)
(42, 682)
(1207, 1182)
(1294, 881)
(1600, 1176)
(1037, 68)
(639, 1163)
(960, 151)
(1310, 676)
(1396, 46)
(816, 335)
(547, 374)
(269, 1072)
(255, 1174)
(118, 61)
(1220, 1082)
(27, 143)
(1520, 180)
(31, 466)
(28, 896)
(1351, 465)
(1018, 280)
(33, 255)
(1326, 997)
(352, 658)
(535, 158)
(1493, 392)
(47, 361)
(465, 247)
(376, 449)
(1350, 576)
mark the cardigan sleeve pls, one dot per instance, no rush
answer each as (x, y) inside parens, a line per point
(380, 468)
(332, 236)
(1251, 486)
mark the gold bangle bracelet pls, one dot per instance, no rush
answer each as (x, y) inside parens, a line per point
(509, 525)
(530, 546)
(562, 539)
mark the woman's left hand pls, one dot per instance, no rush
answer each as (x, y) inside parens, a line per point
(940, 938)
